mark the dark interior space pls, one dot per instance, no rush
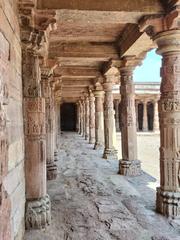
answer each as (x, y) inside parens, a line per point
(140, 116)
(150, 115)
(68, 117)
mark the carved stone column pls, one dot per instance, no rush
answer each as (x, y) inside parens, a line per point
(37, 201)
(86, 118)
(5, 202)
(80, 118)
(137, 114)
(109, 122)
(83, 119)
(91, 118)
(47, 93)
(156, 117)
(166, 34)
(129, 165)
(145, 119)
(99, 117)
(117, 115)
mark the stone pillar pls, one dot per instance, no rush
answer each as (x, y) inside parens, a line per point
(156, 117)
(168, 195)
(117, 115)
(37, 201)
(99, 117)
(5, 202)
(57, 128)
(129, 165)
(80, 118)
(166, 34)
(145, 118)
(48, 94)
(109, 122)
(91, 118)
(86, 118)
(137, 115)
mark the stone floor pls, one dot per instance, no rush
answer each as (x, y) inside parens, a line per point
(90, 201)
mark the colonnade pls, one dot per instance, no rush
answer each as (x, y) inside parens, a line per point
(97, 123)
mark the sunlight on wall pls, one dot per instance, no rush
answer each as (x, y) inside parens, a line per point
(149, 71)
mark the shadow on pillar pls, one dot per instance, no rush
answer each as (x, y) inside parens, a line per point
(68, 117)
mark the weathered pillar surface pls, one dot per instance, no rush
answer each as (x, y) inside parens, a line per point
(129, 165)
(5, 203)
(166, 34)
(86, 118)
(99, 117)
(91, 118)
(156, 117)
(109, 122)
(37, 200)
(145, 118)
(47, 93)
(117, 117)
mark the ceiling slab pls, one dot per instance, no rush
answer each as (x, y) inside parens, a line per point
(148, 6)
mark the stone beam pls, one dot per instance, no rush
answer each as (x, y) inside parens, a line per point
(133, 42)
(85, 50)
(77, 83)
(76, 72)
(148, 6)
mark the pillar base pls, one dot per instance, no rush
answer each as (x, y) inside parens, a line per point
(130, 168)
(52, 171)
(38, 213)
(98, 146)
(110, 154)
(168, 203)
(86, 137)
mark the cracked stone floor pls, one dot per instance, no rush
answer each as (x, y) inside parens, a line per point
(90, 201)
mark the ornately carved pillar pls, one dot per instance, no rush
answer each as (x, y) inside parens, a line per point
(145, 118)
(99, 117)
(37, 201)
(117, 117)
(91, 118)
(168, 195)
(47, 93)
(166, 33)
(109, 122)
(156, 117)
(86, 118)
(5, 202)
(129, 165)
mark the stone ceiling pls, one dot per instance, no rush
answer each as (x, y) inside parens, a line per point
(90, 33)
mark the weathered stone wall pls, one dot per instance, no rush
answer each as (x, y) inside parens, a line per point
(13, 181)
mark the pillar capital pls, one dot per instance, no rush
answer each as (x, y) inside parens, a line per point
(128, 64)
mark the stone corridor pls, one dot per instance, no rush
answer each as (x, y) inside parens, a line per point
(90, 201)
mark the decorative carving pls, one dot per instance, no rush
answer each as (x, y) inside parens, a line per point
(38, 213)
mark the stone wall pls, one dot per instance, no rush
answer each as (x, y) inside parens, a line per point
(13, 181)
